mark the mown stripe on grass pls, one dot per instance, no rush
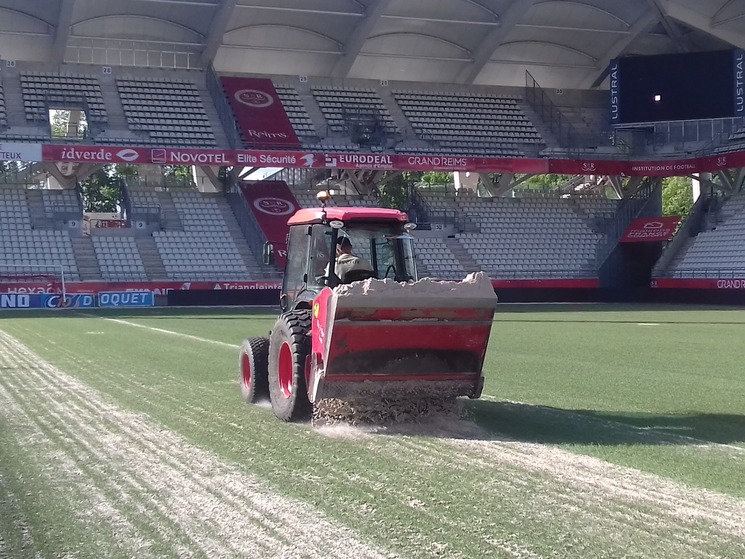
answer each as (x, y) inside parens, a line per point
(618, 505)
(211, 507)
(644, 435)
(633, 433)
(511, 512)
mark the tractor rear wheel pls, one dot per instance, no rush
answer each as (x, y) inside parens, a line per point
(289, 347)
(253, 369)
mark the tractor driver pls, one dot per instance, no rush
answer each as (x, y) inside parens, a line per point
(350, 267)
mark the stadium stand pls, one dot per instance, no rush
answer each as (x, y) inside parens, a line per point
(718, 252)
(531, 238)
(205, 249)
(357, 113)
(119, 258)
(296, 112)
(469, 123)
(3, 114)
(58, 202)
(165, 112)
(43, 91)
(27, 251)
(435, 259)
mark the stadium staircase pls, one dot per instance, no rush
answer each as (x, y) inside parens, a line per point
(14, 108)
(85, 259)
(717, 251)
(312, 108)
(151, 259)
(221, 138)
(462, 255)
(117, 128)
(250, 260)
(36, 210)
(404, 127)
(168, 214)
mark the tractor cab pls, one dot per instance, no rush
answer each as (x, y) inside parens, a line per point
(327, 247)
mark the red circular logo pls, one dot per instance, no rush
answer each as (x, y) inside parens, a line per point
(274, 206)
(254, 98)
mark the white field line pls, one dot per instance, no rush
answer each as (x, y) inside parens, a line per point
(192, 502)
(169, 332)
(651, 431)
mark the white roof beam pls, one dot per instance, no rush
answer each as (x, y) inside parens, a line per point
(507, 20)
(641, 26)
(699, 21)
(671, 28)
(62, 33)
(217, 30)
(361, 31)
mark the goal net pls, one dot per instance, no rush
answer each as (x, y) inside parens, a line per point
(46, 279)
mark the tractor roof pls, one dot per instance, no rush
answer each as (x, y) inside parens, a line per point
(315, 215)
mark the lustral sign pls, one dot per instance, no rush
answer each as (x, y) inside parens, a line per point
(739, 82)
(614, 74)
(379, 161)
(650, 229)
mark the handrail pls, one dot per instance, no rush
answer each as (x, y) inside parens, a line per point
(251, 231)
(565, 132)
(224, 111)
(627, 210)
(708, 273)
(692, 222)
(529, 273)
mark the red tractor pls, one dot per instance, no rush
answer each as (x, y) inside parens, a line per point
(376, 333)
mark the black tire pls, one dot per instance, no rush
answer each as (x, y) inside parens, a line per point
(253, 369)
(289, 346)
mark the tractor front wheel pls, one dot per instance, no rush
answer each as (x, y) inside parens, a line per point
(289, 347)
(253, 369)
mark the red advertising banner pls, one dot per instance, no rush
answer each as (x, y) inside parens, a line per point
(259, 112)
(650, 229)
(734, 284)
(157, 287)
(163, 287)
(588, 167)
(380, 161)
(272, 204)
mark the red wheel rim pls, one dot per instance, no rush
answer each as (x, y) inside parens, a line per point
(285, 370)
(246, 371)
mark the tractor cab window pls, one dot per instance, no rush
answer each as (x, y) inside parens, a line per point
(294, 277)
(318, 258)
(394, 257)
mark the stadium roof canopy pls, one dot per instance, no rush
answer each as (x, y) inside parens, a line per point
(562, 43)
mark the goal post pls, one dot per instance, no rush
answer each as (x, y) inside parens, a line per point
(50, 279)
